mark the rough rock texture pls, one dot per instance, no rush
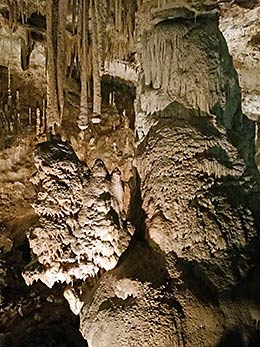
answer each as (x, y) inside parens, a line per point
(128, 310)
(198, 214)
(205, 209)
(82, 213)
(138, 304)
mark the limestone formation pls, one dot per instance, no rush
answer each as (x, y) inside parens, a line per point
(78, 215)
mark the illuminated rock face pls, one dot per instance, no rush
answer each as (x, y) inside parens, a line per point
(82, 227)
(204, 212)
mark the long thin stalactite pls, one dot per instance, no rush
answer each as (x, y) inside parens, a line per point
(56, 25)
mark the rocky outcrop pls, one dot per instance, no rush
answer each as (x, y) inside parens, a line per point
(138, 304)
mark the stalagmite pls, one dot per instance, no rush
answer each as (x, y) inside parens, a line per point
(17, 100)
(117, 190)
(113, 99)
(43, 118)
(256, 132)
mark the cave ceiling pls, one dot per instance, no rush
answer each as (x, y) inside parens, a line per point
(129, 173)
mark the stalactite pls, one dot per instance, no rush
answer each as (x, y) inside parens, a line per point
(52, 88)
(30, 116)
(95, 61)
(9, 91)
(83, 118)
(56, 23)
(38, 122)
(12, 5)
(101, 8)
(63, 6)
(18, 11)
(73, 11)
(27, 46)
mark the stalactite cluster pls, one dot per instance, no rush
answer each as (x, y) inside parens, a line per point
(105, 31)
(81, 37)
(121, 30)
(17, 10)
(17, 119)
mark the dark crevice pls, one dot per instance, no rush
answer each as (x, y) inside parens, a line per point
(247, 3)
(151, 269)
(117, 303)
(37, 20)
(240, 337)
(197, 282)
(114, 216)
